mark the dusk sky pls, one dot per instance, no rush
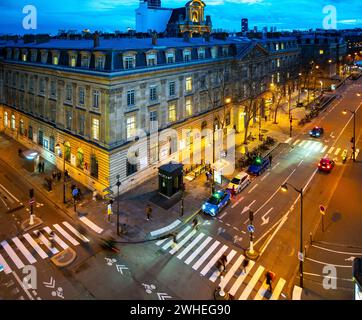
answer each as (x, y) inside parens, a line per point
(111, 15)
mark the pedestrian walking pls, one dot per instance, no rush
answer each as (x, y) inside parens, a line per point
(270, 159)
(59, 175)
(51, 239)
(54, 175)
(207, 175)
(269, 280)
(195, 224)
(266, 118)
(224, 260)
(174, 239)
(244, 265)
(39, 167)
(233, 192)
(43, 166)
(148, 212)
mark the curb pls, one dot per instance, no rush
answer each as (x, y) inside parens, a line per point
(26, 226)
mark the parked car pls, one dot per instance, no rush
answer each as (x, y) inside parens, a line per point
(240, 182)
(259, 166)
(218, 200)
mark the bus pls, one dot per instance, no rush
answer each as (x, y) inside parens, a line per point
(357, 278)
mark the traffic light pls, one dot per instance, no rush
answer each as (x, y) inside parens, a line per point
(31, 193)
(251, 216)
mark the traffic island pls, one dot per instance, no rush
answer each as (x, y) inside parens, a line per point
(64, 258)
(26, 226)
(221, 296)
(252, 255)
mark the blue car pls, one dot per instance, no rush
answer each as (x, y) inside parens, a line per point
(259, 166)
(316, 132)
(214, 205)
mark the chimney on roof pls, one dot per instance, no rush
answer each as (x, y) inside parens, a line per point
(207, 36)
(154, 38)
(96, 40)
(186, 35)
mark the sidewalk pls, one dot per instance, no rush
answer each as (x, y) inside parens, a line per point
(134, 225)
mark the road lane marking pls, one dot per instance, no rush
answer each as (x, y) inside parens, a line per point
(330, 150)
(6, 267)
(307, 144)
(21, 283)
(198, 250)
(296, 142)
(278, 289)
(66, 235)
(213, 260)
(90, 224)
(169, 244)
(325, 276)
(190, 246)
(341, 252)
(329, 264)
(46, 242)
(317, 147)
(11, 253)
(223, 215)
(237, 202)
(239, 281)
(216, 274)
(300, 163)
(324, 149)
(297, 293)
(263, 289)
(252, 189)
(252, 283)
(205, 255)
(337, 151)
(76, 232)
(9, 193)
(184, 240)
(288, 140)
(24, 250)
(302, 143)
(36, 247)
(56, 238)
(267, 175)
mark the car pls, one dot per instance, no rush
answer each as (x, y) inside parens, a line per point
(240, 182)
(316, 132)
(218, 200)
(326, 165)
(259, 166)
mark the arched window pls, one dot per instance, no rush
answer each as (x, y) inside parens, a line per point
(13, 122)
(80, 158)
(67, 151)
(94, 166)
(6, 119)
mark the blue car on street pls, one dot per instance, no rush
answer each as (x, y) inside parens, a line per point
(259, 166)
(214, 205)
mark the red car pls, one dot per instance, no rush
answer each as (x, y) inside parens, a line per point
(326, 165)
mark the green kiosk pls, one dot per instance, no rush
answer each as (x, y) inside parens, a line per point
(170, 179)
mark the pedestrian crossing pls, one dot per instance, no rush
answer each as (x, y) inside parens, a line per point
(320, 148)
(201, 253)
(30, 247)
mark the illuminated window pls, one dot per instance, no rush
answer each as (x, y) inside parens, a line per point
(131, 127)
(95, 129)
(321, 51)
(13, 122)
(6, 120)
(187, 55)
(73, 61)
(80, 158)
(188, 84)
(188, 107)
(172, 113)
(55, 60)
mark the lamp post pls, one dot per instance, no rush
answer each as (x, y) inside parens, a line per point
(284, 188)
(354, 132)
(118, 184)
(57, 147)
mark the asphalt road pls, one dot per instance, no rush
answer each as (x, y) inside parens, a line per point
(160, 270)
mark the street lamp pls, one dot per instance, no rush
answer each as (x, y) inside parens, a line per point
(57, 147)
(118, 184)
(284, 188)
(354, 132)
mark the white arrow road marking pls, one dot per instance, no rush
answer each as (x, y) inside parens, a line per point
(163, 296)
(350, 259)
(247, 208)
(121, 267)
(266, 220)
(50, 284)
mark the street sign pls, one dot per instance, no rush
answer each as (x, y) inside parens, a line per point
(251, 228)
(300, 256)
(322, 209)
(75, 192)
(32, 201)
